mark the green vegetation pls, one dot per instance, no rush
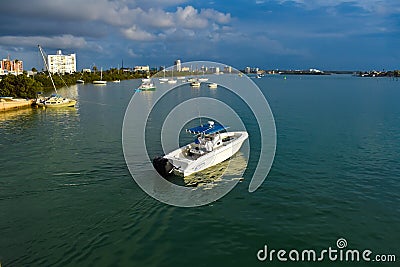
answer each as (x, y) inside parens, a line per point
(27, 87)
(109, 75)
(19, 86)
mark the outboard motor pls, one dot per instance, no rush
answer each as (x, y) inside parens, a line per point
(162, 166)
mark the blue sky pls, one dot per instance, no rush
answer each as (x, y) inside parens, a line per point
(271, 34)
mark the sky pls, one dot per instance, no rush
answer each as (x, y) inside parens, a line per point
(269, 34)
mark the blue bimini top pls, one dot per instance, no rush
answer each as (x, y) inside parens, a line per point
(207, 129)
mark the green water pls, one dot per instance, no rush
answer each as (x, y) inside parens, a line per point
(67, 197)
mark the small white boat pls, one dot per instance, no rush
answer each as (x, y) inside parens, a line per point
(212, 85)
(212, 145)
(172, 81)
(117, 81)
(100, 82)
(146, 86)
(146, 80)
(163, 79)
(203, 79)
(190, 80)
(80, 81)
(195, 84)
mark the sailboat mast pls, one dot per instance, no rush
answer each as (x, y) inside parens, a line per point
(47, 68)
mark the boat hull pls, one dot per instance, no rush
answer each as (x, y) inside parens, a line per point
(70, 103)
(185, 167)
(100, 82)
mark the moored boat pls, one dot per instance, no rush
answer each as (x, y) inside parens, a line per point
(100, 82)
(55, 100)
(195, 84)
(147, 85)
(213, 145)
(212, 85)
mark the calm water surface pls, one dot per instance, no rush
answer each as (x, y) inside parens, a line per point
(67, 197)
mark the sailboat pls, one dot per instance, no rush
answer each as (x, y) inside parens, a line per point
(163, 79)
(55, 100)
(172, 79)
(202, 79)
(101, 78)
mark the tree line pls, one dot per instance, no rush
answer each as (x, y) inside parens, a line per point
(22, 86)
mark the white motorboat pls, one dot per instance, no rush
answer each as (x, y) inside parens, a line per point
(195, 84)
(147, 85)
(172, 81)
(212, 145)
(212, 85)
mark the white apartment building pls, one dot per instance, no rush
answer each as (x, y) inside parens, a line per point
(60, 63)
(141, 69)
(178, 65)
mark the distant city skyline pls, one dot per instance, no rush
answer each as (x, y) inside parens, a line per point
(269, 34)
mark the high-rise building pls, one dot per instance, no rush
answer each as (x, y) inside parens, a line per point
(8, 66)
(178, 65)
(62, 64)
(228, 69)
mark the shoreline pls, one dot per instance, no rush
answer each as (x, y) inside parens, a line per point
(9, 104)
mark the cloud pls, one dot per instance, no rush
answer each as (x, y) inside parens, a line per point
(189, 17)
(132, 53)
(136, 20)
(216, 16)
(137, 34)
(62, 41)
(383, 7)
